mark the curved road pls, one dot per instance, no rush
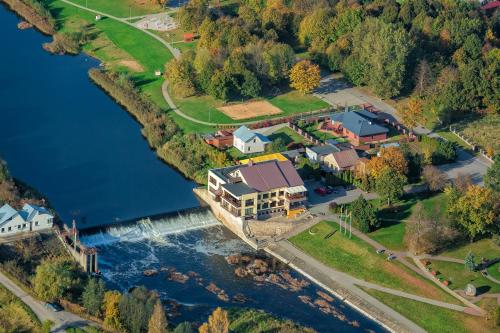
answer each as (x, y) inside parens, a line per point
(62, 319)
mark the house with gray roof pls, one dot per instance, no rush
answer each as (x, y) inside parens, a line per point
(248, 141)
(258, 190)
(360, 127)
(318, 153)
(29, 218)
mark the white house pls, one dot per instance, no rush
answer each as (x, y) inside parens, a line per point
(30, 218)
(318, 153)
(248, 141)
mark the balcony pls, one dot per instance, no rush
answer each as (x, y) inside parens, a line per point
(232, 200)
(295, 196)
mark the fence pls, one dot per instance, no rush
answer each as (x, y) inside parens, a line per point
(474, 147)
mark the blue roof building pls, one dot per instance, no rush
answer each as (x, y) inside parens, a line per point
(359, 126)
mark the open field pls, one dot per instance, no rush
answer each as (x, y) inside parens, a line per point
(249, 110)
(122, 8)
(494, 271)
(356, 258)
(481, 248)
(313, 129)
(483, 132)
(459, 277)
(432, 318)
(288, 136)
(452, 137)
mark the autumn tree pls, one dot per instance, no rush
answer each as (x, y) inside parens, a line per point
(111, 310)
(390, 185)
(305, 76)
(54, 278)
(180, 73)
(474, 210)
(392, 158)
(158, 321)
(423, 78)
(435, 178)
(411, 113)
(218, 322)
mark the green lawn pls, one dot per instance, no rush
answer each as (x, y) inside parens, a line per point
(452, 137)
(391, 235)
(494, 271)
(295, 102)
(288, 136)
(481, 248)
(432, 318)
(312, 129)
(356, 258)
(121, 8)
(459, 277)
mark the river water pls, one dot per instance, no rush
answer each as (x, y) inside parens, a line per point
(65, 137)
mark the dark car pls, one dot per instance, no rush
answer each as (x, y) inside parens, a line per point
(54, 307)
(321, 191)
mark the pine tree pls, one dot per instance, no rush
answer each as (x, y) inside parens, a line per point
(469, 262)
(93, 296)
(158, 322)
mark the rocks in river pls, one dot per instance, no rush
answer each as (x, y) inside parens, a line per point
(177, 277)
(259, 278)
(295, 284)
(324, 296)
(240, 272)
(223, 296)
(150, 272)
(23, 25)
(239, 298)
(322, 303)
(354, 323)
(221, 293)
(192, 274)
(306, 299)
(233, 259)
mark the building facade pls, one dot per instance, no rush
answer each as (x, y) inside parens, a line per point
(258, 190)
(29, 218)
(359, 127)
(249, 142)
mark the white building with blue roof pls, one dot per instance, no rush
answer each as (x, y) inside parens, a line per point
(248, 141)
(29, 218)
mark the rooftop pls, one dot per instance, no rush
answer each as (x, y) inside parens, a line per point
(263, 158)
(346, 158)
(245, 134)
(357, 123)
(238, 189)
(324, 150)
(269, 175)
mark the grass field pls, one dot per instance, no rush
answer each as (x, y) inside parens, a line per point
(432, 318)
(312, 129)
(288, 136)
(452, 137)
(459, 277)
(122, 8)
(481, 248)
(494, 271)
(483, 131)
(356, 258)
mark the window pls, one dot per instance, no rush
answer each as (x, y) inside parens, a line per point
(10, 228)
(248, 211)
(281, 193)
(249, 202)
(24, 225)
(36, 223)
(213, 180)
(3, 230)
(273, 194)
(253, 140)
(265, 196)
(265, 205)
(19, 227)
(248, 149)
(273, 204)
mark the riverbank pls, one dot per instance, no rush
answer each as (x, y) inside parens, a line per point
(34, 13)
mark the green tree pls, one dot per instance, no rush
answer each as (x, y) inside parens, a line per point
(250, 86)
(191, 15)
(390, 185)
(184, 327)
(385, 49)
(136, 308)
(279, 58)
(315, 26)
(47, 326)
(158, 321)
(492, 177)
(53, 279)
(181, 75)
(469, 263)
(93, 296)
(364, 215)
(221, 85)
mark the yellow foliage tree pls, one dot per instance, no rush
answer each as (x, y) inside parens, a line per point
(111, 310)
(158, 321)
(218, 322)
(305, 76)
(392, 158)
(412, 113)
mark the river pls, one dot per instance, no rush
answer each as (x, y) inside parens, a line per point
(66, 138)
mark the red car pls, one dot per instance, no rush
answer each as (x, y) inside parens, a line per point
(321, 191)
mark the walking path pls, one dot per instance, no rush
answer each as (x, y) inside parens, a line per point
(62, 319)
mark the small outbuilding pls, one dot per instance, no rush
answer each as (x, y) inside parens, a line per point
(188, 37)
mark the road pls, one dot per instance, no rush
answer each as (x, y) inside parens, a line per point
(62, 319)
(334, 90)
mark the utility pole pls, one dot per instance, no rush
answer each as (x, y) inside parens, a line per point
(350, 227)
(341, 209)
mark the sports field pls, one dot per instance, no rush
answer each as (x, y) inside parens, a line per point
(250, 110)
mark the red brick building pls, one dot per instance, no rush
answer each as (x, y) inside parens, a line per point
(359, 127)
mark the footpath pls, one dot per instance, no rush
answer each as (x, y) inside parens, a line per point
(62, 319)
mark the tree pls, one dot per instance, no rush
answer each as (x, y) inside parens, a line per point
(364, 215)
(218, 322)
(158, 321)
(93, 296)
(474, 210)
(435, 179)
(53, 279)
(221, 85)
(136, 309)
(390, 185)
(492, 177)
(250, 86)
(315, 26)
(111, 310)
(305, 76)
(278, 58)
(47, 326)
(423, 78)
(394, 158)
(414, 229)
(180, 73)
(184, 327)
(412, 113)
(469, 263)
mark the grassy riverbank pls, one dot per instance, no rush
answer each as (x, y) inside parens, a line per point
(35, 13)
(15, 316)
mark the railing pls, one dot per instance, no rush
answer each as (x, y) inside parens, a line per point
(232, 201)
(295, 196)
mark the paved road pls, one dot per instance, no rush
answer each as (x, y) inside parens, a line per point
(61, 319)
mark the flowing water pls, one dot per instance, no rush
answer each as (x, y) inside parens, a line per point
(69, 140)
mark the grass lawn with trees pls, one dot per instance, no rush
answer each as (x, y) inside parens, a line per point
(16, 316)
(459, 277)
(357, 258)
(494, 271)
(482, 131)
(482, 248)
(433, 318)
(122, 8)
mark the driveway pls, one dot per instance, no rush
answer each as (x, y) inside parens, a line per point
(62, 319)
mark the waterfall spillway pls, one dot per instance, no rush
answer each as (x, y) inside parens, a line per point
(155, 229)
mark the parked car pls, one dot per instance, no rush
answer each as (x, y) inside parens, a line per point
(321, 191)
(54, 307)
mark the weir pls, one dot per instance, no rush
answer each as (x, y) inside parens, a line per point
(152, 227)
